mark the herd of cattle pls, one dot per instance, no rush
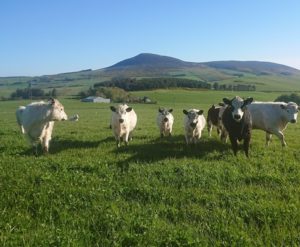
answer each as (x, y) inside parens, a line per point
(234, 118)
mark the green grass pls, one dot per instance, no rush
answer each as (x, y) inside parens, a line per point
(154, 192)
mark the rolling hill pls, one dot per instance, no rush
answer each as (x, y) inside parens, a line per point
(266, 76)
(153, 61)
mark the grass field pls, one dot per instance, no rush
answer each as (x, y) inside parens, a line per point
(154, 192)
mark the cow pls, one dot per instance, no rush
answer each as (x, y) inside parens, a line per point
(36, 121)
(273, 117)
(123, 122)
(194, 123)
(213, 118)
(224, 133)
(237, 121)
(165, 122)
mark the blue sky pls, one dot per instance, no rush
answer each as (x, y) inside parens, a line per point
(46, 37)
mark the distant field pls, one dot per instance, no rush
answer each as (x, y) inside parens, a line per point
(154, 192)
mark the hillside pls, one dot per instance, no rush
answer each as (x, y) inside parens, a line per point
(265, 76)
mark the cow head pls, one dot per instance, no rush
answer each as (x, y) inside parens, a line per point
(192, 116)
(166, 114)
(290, 111)
(237, 106)
(57, 110)
(121, 112)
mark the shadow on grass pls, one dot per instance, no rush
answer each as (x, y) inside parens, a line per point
(173, 147)
(58, 145)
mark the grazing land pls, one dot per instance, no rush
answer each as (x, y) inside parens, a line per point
(154, 192)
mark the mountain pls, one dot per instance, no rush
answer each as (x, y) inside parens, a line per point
(264, 75)
(153, 61)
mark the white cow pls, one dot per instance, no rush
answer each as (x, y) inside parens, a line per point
(194, 123)
(123, 122)
(273, 117)
(165, 122)
(36, 120)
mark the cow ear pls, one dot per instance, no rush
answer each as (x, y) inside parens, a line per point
(248, 101)
(221, 104)
(200, 112)
(213, 106)
(113, 108)
(129, 109)
(185, 112)
(227, 101)
(283, 106)
(160, 110)
(170, 110)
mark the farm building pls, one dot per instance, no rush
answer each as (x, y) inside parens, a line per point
(95, 99)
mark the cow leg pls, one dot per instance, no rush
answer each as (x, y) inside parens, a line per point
(218, 131)
(130, 136)
(268, 138)
(170, 132)
(35, 148)
(195, 139)
(45, 143)
(187, 139)
(161, 135)
(209, 128)
(125, 139)
(234, 144)
(280, 135)
(118, 141)
(224, 136)
(246, 146)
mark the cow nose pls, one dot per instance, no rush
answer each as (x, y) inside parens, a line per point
(121, 120)
(293, 121)
(166, 120)
(237, 116)
(193, 125)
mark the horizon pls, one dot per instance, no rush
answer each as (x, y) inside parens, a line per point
(58, 37)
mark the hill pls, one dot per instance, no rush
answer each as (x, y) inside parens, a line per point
(266, 76)
(148, 60)
(151, 60)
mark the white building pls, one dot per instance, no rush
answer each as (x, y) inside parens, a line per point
(95, 99)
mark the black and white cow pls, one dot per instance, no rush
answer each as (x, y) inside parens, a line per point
(238, 123)
(213, 119)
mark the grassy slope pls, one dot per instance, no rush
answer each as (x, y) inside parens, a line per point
(151, 193)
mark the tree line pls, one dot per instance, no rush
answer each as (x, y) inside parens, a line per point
(289, 98)
(132, 84)
(32, 93)
(235, 87)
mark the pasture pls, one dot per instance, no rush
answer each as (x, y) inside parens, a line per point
(154, 192)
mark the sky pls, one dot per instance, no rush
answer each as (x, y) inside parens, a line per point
(42, 37)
